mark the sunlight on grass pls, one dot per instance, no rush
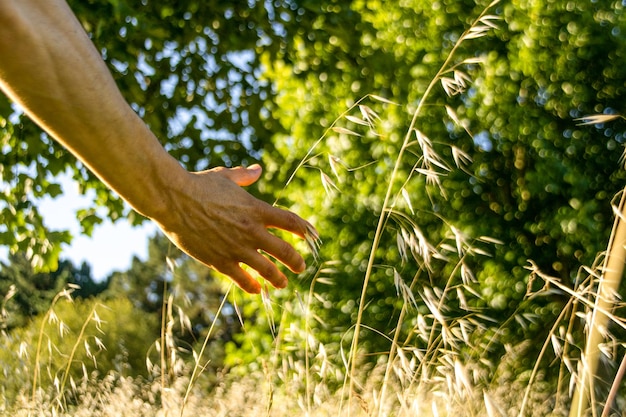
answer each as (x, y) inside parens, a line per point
(443, 354)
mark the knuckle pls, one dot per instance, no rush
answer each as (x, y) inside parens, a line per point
(288, 255)
(285, 251)
(267, 270)
(293, 221)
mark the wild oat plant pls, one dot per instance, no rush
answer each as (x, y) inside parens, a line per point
(434, 365)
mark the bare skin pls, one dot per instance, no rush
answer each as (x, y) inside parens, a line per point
(49, 66)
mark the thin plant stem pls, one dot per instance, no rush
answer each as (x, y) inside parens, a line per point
(390, 359)
(306, 157)
(610, 278)
(614, 387)
(70, 359)
(307, 364)
(163, 340)
(197, 369)
(38, 354)
(46, 318)
(385, 211)
(543, 351)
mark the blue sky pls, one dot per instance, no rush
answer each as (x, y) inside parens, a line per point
(111, 246)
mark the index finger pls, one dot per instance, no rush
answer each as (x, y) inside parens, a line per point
(286, 220)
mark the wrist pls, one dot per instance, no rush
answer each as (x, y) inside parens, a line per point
(158, 187)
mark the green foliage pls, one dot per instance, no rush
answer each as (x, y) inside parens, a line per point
(71, 341)
(190, 70)
(495, 171)
(546, 174)
(28, 293)
(84, 331)
(538, 184)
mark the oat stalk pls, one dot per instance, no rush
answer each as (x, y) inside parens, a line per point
(197, 369)
(385, 211)
(70, 359)
(66, 293)
(610, 278)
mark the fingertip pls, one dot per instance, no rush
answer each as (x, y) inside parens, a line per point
(268, 270)
(253, 172)
(282, 284)
(300, 267)
(251, 287)
(248, 175)
(245, 281)
(242, 176)
(255, 168)
(254, 290)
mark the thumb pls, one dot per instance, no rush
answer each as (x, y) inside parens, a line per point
(242, 176)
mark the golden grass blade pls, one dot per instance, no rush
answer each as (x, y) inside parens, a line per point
(329, 185)
(492, 409)
(474, 60)
(313, 241)
(614, 388)
(489, 239)
(452, 114)
(489, 21)
(407, 199)
(597, 119)
(382, 99)
(476, 32)
(333, 161)
(461, 78)
(449, 86)
(357, 120)
(368, 114)
(609, 282)
(344, 131)
(461, 159)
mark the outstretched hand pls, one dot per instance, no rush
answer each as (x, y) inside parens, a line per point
(215, 221)
(207, 214)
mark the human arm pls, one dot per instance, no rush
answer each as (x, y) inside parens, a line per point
(50, 67)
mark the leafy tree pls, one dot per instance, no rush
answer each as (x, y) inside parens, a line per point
(539, 183)
(282, 82)
(28, 293)
(190, 70)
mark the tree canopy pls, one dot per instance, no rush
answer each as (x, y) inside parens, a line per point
(474, 137)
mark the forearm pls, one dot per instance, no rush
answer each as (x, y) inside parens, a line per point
(51, 68)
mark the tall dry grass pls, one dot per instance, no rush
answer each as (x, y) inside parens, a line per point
(429, 373)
